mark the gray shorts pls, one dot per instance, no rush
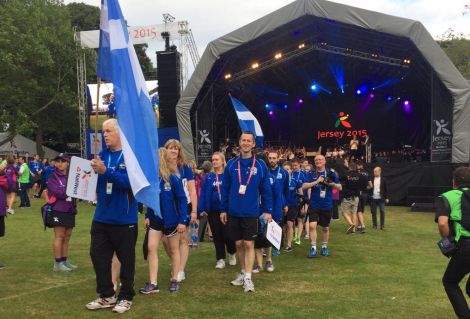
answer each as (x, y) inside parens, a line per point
(349, 205)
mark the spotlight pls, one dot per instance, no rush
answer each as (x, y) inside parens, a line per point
(406, 61)
(314, 87)
(271, 113)
(227, 76)
(406, 103)
(302, 45)
(372, 95)
(278, 56)
(348, 50)
(285, 107)
(267, 106)
(374, 56)
(358, 92)
(255, 65)
(407, 106)
(301, 101)
(389, 98)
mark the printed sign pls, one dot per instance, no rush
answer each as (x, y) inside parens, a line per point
(274, 234)
(82, 179)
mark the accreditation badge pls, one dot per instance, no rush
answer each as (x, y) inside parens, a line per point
(242, 190)
(322, 193)
(109, 188)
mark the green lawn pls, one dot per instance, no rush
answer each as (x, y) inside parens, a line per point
(394, 273)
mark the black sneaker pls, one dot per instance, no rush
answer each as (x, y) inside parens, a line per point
(288, 249)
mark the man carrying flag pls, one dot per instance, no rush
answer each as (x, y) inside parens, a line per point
(247, 121)
(127, 168)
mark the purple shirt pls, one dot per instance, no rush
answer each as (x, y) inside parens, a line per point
(56, 186)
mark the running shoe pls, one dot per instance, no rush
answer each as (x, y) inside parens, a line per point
(269, 266)
(297, 241)
(232, 259)
(181, 276)
(257, 270)
(275, 252)
(350, 229)
(312, 253)
(101, 303)
(61, 267)
(149, 289)
(248, 285)
(220, 264)
(324, 251)
(174, 286)
(288, 249)
(122, 306)
(239, 280)
(69, 265)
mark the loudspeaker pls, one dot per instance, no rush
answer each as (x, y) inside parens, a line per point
(169, 86)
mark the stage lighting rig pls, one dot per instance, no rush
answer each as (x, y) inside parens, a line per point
(168, 18)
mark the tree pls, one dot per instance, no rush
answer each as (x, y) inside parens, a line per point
(84, 17)
(145, 62)
(37, 69)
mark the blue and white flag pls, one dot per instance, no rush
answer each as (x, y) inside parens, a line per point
(118, 63)
(248, 121)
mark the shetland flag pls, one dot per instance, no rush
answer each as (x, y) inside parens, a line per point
(248, 121)
(118, 63)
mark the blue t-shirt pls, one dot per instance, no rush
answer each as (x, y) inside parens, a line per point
(210, 200)
(316, 198)
(35, 167)
(280, 188)
(294, 184)
(186, 174)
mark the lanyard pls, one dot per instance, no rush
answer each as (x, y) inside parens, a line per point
(109, 159)
(249, 176)
(277, 173)
(218, 185)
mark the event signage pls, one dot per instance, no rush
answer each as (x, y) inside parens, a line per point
(204, 146)
(441, 140)
(274, 234)
(82, 179)
(341, 120)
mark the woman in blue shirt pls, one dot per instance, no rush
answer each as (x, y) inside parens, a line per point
(187, 177)
(210, 202)
(172, 224)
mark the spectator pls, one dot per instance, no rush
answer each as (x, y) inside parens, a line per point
(24, 182)
(11, 171)
(378, 185)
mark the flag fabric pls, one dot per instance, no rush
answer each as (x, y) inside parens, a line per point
(248, 121)
(118, 63)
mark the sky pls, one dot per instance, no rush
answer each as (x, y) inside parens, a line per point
(211, 19)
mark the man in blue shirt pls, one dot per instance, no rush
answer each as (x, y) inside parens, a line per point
(320, 206)
(35, 169)
(114, 226)
(245, 179)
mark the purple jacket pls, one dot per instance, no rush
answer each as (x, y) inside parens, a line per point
(3, 203)
(56, 186)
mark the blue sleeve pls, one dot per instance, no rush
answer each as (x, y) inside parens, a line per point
(285, 188)
(335, 177)
(118, 177)
(225, 189)
(266, 191)
(188, 173)
(201, 203)
(31, 167)
(182, 203)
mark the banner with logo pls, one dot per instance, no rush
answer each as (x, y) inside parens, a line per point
(441, 130)
(82, 179)
(204, 145)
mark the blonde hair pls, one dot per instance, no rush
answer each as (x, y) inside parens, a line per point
(166, 165)
(222, 157)
(181, 160)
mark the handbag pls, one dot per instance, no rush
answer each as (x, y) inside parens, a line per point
(4, 182)
(46, 215)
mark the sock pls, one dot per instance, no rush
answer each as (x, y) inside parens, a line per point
(242, 271)
(324, 245)
(314, 246)
(154, 283)
(58, 260)
(64, 259)
(248, 275)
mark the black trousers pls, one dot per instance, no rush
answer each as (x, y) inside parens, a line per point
(105, 240)
(220, 236)
(458, 267)
(23, 190)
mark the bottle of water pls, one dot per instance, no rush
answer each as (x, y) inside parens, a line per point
(194, 234)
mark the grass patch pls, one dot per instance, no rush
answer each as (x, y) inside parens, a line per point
(394, 273)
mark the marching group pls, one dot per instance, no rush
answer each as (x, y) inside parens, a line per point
(238, 198)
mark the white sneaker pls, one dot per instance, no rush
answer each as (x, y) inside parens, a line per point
(220, 264)
(101, 303)
(181, 276)
(61, 267)
(239, 280)
(232, 259)
(122, 306)
(248, 285)
(269, 266)
(10, 211)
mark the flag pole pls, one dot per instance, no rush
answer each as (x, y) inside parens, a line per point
(95, 142)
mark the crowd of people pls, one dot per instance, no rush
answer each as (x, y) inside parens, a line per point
(237, 198)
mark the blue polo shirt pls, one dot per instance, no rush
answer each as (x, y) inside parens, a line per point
(316, 200)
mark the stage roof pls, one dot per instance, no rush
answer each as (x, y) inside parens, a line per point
(337, 24)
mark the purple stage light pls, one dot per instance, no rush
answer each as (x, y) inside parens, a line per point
(407, 106)
(271, 113)
(406, 103)
(371, 95)
(301, 101)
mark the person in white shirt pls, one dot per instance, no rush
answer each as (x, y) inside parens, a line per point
(378, 187)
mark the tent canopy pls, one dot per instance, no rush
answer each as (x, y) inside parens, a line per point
(319, 21)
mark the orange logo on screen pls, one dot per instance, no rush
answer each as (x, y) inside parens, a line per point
(341, 119)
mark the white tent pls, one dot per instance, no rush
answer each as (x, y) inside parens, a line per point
(23, 146)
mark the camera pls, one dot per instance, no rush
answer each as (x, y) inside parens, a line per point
(447, 246)
(303, 200)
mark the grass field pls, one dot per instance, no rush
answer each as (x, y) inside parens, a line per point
(394, 273)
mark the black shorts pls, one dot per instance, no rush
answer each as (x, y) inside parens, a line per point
(321, 216)
(242, 228)
(158, 226)
(362, 203)
(262, 242)
(60, 219)
(292, 213)
(2, 226)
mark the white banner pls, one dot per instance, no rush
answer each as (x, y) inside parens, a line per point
(139, 35)
(274, 234)
(82, 179)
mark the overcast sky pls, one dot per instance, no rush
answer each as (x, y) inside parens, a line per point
(211, 19)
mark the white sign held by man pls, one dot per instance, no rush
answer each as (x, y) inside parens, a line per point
(82, 179)
(274, 234)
